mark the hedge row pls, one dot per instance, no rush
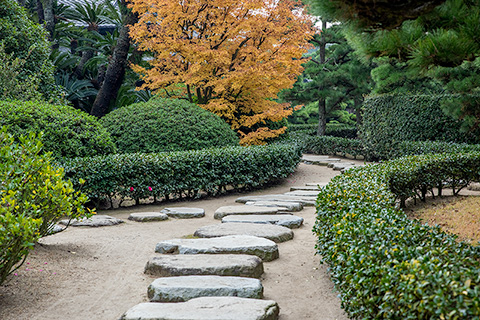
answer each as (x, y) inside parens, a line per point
(332, 129)
(139, 176)
(410, 118)
(392, 150)
(385, 265)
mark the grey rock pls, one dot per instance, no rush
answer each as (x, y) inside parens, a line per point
(343, 165)
(284, 220)
(287, 206)
(231, 210)
(265, 249)
(206, 308)
(184, 213)
(319, 160)
(238, 265)
(305, 201)
(94, 221)
(303, 193)
(474, 186)
(270, 232)
(183, 288)
(318, 184)
(147, 216)
(305, 188)
(55, 228)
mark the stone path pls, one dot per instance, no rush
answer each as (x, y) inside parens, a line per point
(216, 276)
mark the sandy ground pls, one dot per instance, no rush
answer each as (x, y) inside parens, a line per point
(97, 273)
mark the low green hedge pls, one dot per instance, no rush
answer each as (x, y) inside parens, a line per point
(332, 129)
(140, 176)
(386, 266)
(332, 145)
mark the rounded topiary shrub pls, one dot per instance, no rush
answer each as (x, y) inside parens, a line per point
(67, 132)
(167, 125)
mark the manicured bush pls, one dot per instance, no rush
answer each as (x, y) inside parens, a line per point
(140, 175)
(332, 146)
(27, 41)
(386, 266)
(388, 119)
(161, 125)
(33, 196)
(67, 132)
(332, 129)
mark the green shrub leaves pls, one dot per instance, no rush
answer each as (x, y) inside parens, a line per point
(385, 265)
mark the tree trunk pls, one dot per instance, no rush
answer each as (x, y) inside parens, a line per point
(116, 69)
(49, 17)
(41, 18)
(322, 108)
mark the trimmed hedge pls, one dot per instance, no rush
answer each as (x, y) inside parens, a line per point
(390, 118)
(332, 145)
(140, 176)
(386, 266)
(67, 132)
(332, 129)
(162, 125)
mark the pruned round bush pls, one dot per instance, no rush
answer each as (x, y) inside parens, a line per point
(167, 125)
(67, 132)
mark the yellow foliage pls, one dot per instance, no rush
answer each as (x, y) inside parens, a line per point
(231, 57)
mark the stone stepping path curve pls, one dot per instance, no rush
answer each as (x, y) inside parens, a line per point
(263, 248)
(206, 308)
(284, 220)
(184, 288)
(147, 216)
(209, 273)
(184, 213)
(271, 232)
(94, 221)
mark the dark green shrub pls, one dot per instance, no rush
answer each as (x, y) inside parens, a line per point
(27, 41)
(167, 125)
(67, 132)
(140, 175)
(332, 129)
(388, 119)
(33, 196)
(332, 146)
(386, 266)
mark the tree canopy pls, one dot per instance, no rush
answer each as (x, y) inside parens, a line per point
(230, 57)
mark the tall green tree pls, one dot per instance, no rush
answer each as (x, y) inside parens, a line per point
(334, 76)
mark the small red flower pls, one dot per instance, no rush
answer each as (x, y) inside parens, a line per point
(131, 189)
(149, 188)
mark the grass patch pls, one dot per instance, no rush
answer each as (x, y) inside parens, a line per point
(457, 215)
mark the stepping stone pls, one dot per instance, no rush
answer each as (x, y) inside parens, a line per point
(238, 265)
(340, 165)
(94, 221)
(232, 210)
(147, 216)
(305, 201)
(265, 249)
(270, 232)
(319, 160)
(305, 188)
(321, 184)
(287, 206)
(284, 220)
(55, 228)
(206, 308)
(184, 213)
(184, 288)
(303, 193)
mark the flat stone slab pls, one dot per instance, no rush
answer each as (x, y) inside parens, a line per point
(263, 248)
(303, 193)
(206, 308)
(321, 184)
(184, 288)
(319, 160)
(305, 188)
(270, 232)
(287, 206)
(94, 221)
(341, 165)
(284, 220)
(232, 210)
(147, 216)
(184, 213)
(238, 265)
(305, 201)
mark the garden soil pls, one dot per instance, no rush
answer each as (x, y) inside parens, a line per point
(97, 273)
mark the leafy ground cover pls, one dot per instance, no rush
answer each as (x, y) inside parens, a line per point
(456, 215)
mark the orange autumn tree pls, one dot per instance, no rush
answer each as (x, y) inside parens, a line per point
(231, 57)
